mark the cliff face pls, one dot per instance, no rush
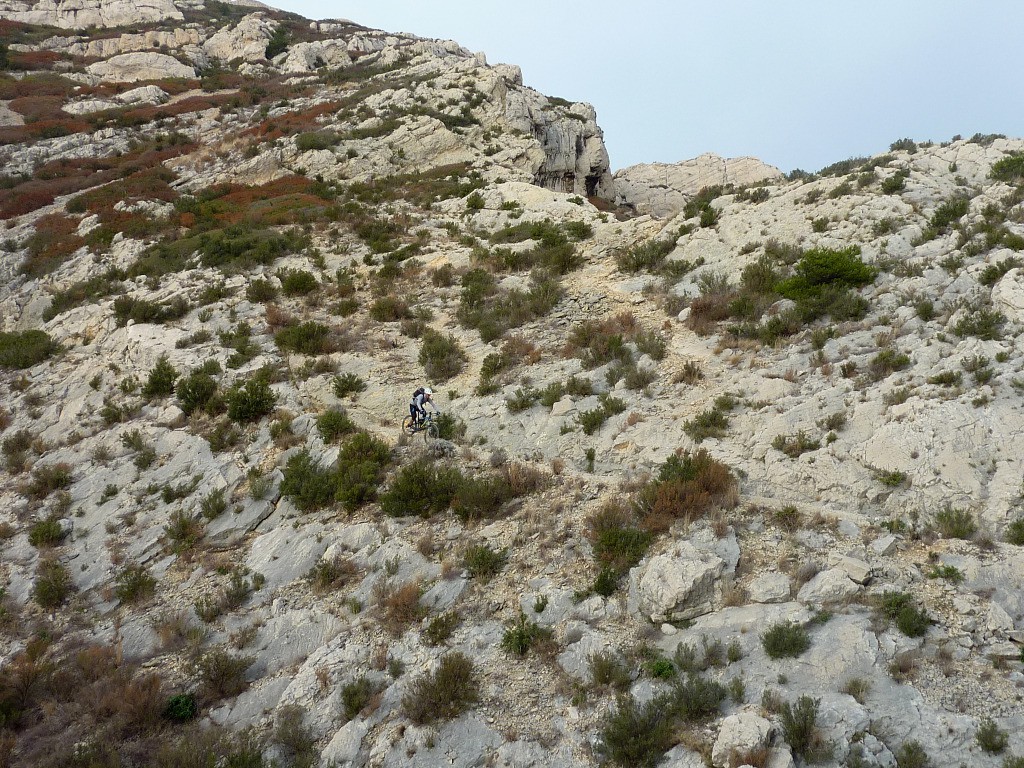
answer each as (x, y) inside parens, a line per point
(750, 439)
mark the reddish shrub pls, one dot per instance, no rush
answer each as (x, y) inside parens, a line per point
(55, 239)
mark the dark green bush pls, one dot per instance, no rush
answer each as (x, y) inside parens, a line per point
(1015, 532)
(213, 504)
(348, 384)
(181, 707)
(441, 356)
(482, 562)
(948, 212)
(912, 755)
(1009, 169)
(707, 424)
(785, 639)
(361, 462)
(260, 291)
(142, 311)
(445, 693)
(955, 523)
(334, 424)
(801, 731)
(161, 379)
(305, 142)
(307, 484)
(251, 401)
(524, 635)
(481, 497)
(638, 735)
(649, 255)
(196, 392)
(390, 309)
(331, 574)
(990, 737)
(47, 533)
(23, 349)
(134, 583)
(356, 695)
(222, 673)
(53, 584)
(421, 488)
(983, 323)
(309, 338)
(47, 479)
(441, 627)
(297, 282)
(901, 608)
(887, 361)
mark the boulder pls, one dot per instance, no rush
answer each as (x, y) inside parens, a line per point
(831, 586)
(663, 189)
(677, 585)
(740, 735)
(246, 40)
(132, 67)
(769, 588)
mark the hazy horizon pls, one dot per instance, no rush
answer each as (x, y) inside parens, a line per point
(795, 83)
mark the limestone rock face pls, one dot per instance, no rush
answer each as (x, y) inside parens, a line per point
(308, 57)
(678, 585)
(246, 40)
(80, 14)
(105, 47)
(740, 735)
(663, 189)
(132, 67)
(831, 586)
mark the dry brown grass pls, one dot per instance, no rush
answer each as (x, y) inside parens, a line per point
(400, 606)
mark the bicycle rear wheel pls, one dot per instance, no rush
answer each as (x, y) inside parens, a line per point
(407, 426)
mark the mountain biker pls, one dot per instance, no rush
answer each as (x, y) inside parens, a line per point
(421, 397)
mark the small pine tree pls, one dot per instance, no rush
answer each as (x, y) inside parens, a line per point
(161, 379)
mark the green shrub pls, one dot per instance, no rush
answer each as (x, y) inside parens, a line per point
(251, 401)
(142, 311)
(795, 445)
(278, 43)
(334, 424)
(297, 282)
(348, 384)
(183, 531)
(181, 707)
(441, 356)
(1015, 532)
(361, 462)
(53, 584)
(213, 504)
(482, 562)
(46, 533)
(221, 673)
(785, 639)
(649, 255)
(445, 693)
(912, 755)
(47, 479)
(305, 142)
(637, 735)
(356, 695)
(707, 424)
(948, 212)
(1009, 169)
(331, 574)
(900, 607)
(441, 627)
(309, 338)
(306, 483)
(990, 737)
(196, 392)
(606, 671)
(981, 322)
(260, 291)
(450, 427)
(801, 732)
(955, 523)
(887, 361)
(134, 583)
(23, 349)
(421, 488)
(524, 635)
(616, 540)
(161, 379)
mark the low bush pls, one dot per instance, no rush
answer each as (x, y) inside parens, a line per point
(196, 392)
(221, 673)
(251, 401)
(912, 755)
(799, 726)
(636, 735)
(161, 379)
(47, 479)
(24, 349)
(445, 693)
(143, 311)
(421, 488)
(53, 584)
(134, 583)
(261, 291)
(1009, 169)
(390, 309)
(592, 420)
(522, 636)
(649, 255)
(361, 463)
(990, 737)
(441, 356)
(785, 639)
(482, 562)
(617, 541)
(306, 483)
(309, 338)
(983, 323)
(348, 384)
(356, 695)
(401, 605)
(441, 627)
(181, 707)
(712, 423)
(213, 504)
(47, 533)
(297, 282)
(795, 445)
(687, 487)
(608, 672)
(900, 607)
(334, 424)
(331, 574)
(183, 531)
(1015, 532)
(955, 523)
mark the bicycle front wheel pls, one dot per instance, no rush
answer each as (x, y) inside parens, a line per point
(432, 432)
(407, 426)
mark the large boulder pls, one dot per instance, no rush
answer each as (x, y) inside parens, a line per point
(678, 585)
(741, 734)
(246, 40)
(132, 67)
(663, 189)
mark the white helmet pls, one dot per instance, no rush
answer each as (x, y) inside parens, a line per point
(428, 391)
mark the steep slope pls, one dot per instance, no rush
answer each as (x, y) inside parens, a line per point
(736, 484)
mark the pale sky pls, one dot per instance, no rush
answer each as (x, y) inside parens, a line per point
(796, 83)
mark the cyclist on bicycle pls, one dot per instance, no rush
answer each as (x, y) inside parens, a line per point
(421, 397)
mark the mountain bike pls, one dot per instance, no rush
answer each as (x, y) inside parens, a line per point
(427, 425)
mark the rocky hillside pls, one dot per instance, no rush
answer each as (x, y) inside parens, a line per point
(726, 471)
